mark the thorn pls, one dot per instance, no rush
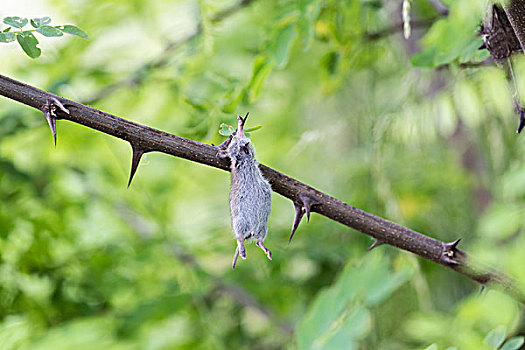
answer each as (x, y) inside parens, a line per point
(135, 160)
(51, 121)
(483, 46)
(452, 245)
(449, 252)
(299, 212)
(376, 244)
(308, 202)
(58, 104)
(521, 123)
(482, 289)
(49, 110)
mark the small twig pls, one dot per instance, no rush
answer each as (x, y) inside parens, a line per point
(398, 28)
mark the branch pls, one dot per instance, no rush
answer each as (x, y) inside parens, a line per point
(164, 57)
(515, 10)
(398, 28)
(146, 139)
(238, 294)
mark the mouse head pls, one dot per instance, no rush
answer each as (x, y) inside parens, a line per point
(240, 147)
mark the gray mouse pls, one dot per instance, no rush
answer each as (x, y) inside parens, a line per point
(250, 193)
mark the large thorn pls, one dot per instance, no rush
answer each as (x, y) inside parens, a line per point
(135, 160)
(449, 254)
(299, 212)
(376, 244)
(49, 110)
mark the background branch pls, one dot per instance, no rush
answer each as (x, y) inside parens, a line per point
(146, 139)
(164, 57)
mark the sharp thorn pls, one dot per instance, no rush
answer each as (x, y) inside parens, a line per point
(135, 160)
(376, 244)
(521, 123)
(449, 252)
(51, 121)
(308, 202)
(449, 260)
(299, 212)
(482, 288)
(60, 105)
(483, 46)
(452, 245)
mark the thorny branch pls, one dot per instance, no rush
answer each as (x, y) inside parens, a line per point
(145, 139)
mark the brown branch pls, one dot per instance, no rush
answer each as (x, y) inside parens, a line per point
(515, 10)
(149, 140)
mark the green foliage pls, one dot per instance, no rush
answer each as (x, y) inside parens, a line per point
(28, 42)
(340, 316)
(87, 263)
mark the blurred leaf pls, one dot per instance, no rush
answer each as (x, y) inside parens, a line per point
(343, 306)
(261, 68)
(7, 37)
(283, 45)
(425, 58)
(432, 347)
(49, 31)
(73, 30)
(17, 22)
(514, 343)
(501, 221)
(6, 30)
(253, 128)
(496, 337)
(356, 326)
(29, 43)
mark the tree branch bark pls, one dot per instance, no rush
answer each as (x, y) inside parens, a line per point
(515, 10)
(145, 139)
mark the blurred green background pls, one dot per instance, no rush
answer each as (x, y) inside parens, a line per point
(399, 128)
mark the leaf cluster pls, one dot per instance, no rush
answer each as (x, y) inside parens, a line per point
(25, 37)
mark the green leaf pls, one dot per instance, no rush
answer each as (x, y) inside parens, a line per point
(340, 313)
(17, 22)
(425, 58)
(513, 343)
(496, 337)
(261, 68)
(49, 31)
(253, 128)
(283, 44)
(432, 347)
(73, 30)
(6, 30)
(29, 43)
(7, 37)
(226, 130)
(356, 326)
(38, 22)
